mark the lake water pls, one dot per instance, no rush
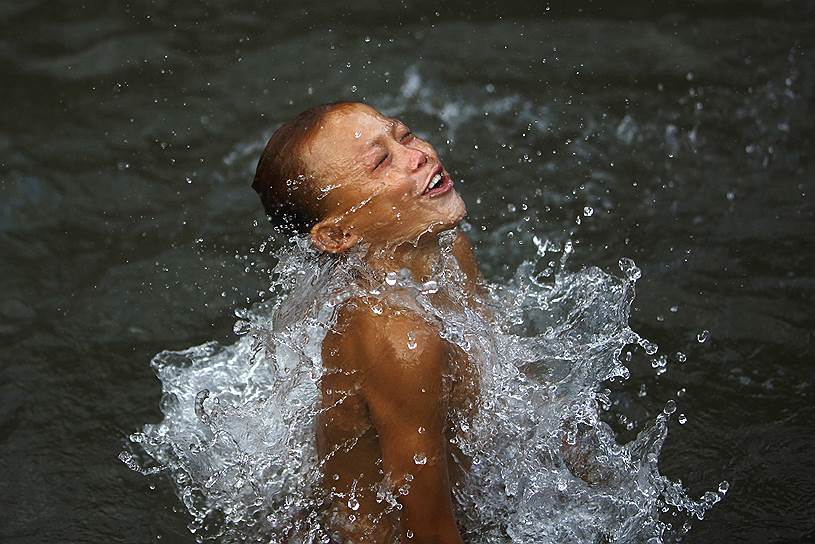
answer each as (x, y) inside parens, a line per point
(679, 136)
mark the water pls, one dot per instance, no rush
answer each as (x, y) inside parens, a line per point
(238, 434)
(128, 141)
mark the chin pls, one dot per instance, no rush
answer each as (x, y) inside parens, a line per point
(451, 219)
(458, 210)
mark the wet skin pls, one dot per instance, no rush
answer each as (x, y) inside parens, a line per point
(391, 383)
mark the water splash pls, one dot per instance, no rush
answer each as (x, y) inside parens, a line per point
(237, 437)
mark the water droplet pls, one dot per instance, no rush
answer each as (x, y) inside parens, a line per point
(421, 430)
(642, 392)
(588, 211)
(681, 357)
(420, 459)
(411, 343)
(629, 268)
(391, 278)
(367, 39)
(670, 407)
(353, 504)
(674, 308)
(241, 327)
(377, 309)
(682, 419)
(357, 134)
(353, 88)
(409, 533)
(723, 487)
(649, 347)
(429, 287)
(703, 336)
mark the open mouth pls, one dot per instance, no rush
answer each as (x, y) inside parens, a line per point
(438, 183)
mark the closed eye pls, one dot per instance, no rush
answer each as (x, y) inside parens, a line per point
(381, 160)
(406, 137)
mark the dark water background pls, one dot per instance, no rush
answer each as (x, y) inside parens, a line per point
(129, 132)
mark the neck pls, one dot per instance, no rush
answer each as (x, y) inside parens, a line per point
(419, 258)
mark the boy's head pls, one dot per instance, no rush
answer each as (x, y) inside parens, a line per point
(345, 173)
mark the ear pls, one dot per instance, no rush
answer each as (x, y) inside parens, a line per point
(329, 236)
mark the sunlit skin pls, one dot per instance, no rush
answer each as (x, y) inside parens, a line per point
(374, 170)
(386, 406)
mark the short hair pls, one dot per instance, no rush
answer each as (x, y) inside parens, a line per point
(282, 177)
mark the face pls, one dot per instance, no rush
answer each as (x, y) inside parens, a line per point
(379, 183)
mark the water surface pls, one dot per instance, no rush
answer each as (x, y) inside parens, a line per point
(130, 133)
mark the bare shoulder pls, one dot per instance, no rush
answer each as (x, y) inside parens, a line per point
(373, 336)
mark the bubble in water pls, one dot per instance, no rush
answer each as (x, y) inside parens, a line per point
(588, 211)
(703, 336)
(353, 504)
(724, 486)
(409, 533)
(357, 134)
(377, 309)
(420, 430)
(420, 459)
(391, 278)
(681, 357)
(670, 407)
(682, 419)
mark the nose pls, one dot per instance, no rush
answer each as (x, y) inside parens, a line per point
(417, 159)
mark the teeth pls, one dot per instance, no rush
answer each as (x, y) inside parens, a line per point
(435, 181)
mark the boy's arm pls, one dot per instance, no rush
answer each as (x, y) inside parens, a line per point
(404, 362)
